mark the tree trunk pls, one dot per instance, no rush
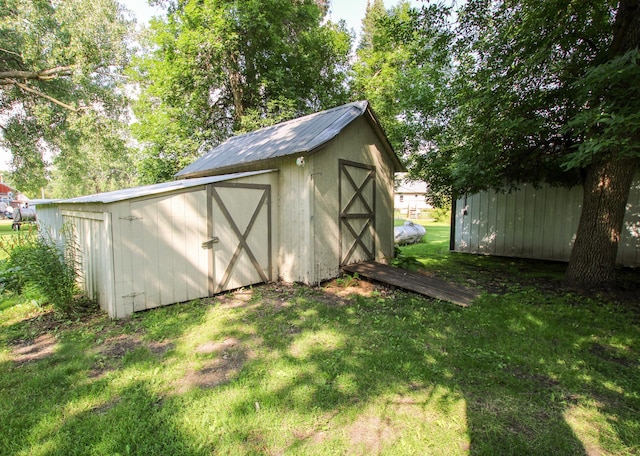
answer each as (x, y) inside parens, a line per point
(606, 188)
(606, 191)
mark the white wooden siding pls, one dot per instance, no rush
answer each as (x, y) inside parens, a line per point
(296, 224)
(92, 239)
(159, 250)
(233, 260)
(145, 252)
(535, 223)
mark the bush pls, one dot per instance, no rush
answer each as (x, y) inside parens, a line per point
(441, 214)
(403, 261)
(35, 258)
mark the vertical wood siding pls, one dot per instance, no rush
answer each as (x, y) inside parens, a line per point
(535, 223)
(92, 242)
(159, 249)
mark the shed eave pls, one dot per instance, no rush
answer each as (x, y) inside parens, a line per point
(156, 189)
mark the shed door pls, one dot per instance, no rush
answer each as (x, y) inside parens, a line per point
(357, 190)
(240, 235)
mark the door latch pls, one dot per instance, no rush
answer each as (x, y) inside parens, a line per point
(209, 244)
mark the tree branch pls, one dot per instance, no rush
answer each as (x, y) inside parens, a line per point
(45, 96)
(9, 77)
(10, 52)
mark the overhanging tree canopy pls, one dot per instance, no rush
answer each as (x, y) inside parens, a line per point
(219, 67)
(547, 90)
(403, 67)
(59, 62)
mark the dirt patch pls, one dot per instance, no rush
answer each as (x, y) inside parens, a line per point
(27, 351)
(347, 287)
(231, 357)
(160, 348)
(104, 408)
(315, 437)
(370, 434)
(236, 299)
(610, 354)
(216, 372)
(109, 353)
(118, 346)
(215, 347)
(318, 433)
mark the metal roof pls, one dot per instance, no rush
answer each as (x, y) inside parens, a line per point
(155, 189)
(301, 135)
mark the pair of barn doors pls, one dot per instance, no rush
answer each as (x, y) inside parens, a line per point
(239, 235)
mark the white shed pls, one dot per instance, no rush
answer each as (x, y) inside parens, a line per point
(295, 201)
(336, 178)
(534, 222)
(151, 246)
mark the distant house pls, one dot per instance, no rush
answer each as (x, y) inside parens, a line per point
(294, 201)
(410, 198)
(10, 195)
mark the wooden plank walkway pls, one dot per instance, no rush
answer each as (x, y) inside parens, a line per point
(414, 281)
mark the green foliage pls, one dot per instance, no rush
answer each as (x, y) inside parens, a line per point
(441, 214)
(610, 123)
(59, 62)
(35, 258)
(405, 261)
(536, 96)
(348, 280)
(94, 159)
(402, 68)
(215, 68)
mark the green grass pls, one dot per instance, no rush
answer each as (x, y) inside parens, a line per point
(528, 369)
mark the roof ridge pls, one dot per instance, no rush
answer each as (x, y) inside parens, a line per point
(345, 108)
(297, 120)
(304, 134)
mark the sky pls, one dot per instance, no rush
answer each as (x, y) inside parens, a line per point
(352, 11)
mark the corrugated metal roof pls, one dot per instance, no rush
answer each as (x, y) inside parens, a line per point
(301, 135)
(155, 189)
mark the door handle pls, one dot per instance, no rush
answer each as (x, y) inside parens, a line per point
(209, 244)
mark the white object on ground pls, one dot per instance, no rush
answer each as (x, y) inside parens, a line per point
(409, 233)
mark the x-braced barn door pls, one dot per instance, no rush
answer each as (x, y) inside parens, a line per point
(357, 192)
(239, 235)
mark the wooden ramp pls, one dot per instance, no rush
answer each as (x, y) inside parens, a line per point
(414, 281)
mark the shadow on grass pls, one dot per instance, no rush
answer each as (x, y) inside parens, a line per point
(85, 385)
(300, 371)
(515, 404)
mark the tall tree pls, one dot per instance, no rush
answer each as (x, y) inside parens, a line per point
(547, 90)
(59, 68)
(403, 66)
(216, 67)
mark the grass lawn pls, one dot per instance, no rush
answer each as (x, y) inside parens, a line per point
(358, 369)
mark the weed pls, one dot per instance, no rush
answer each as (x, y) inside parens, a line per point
(404, 261)
(37, 259)
(348, 280)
